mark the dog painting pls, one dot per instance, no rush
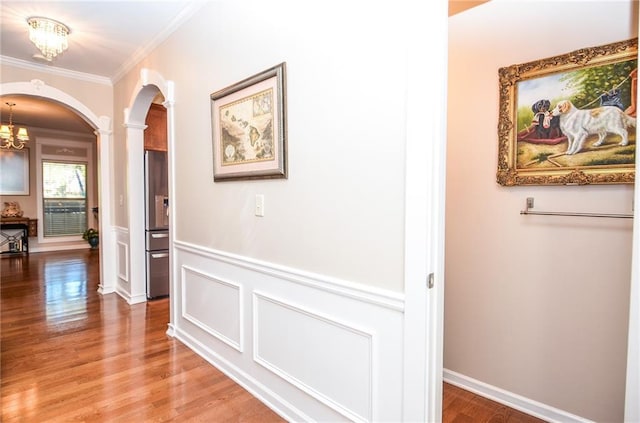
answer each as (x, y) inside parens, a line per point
(569, 119)
(578, 124)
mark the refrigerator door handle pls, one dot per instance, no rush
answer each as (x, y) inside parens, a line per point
(159, 236)
(159, 255)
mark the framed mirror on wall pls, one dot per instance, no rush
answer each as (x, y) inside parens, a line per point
(14, 171)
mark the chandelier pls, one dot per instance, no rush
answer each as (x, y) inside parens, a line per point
(49, 36)
(9, 138)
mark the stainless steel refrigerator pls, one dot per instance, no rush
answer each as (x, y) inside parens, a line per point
(156, 171)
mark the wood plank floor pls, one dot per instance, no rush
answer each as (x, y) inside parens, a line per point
(70, 354)
(460, 406)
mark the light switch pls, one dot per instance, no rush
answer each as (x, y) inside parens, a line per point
(259, 205)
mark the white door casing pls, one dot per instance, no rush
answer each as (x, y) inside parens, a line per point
(424, 212)
(148, 86)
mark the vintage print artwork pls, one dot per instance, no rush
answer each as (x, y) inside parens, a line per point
(569, 119)
(247, 129)
(248, 122)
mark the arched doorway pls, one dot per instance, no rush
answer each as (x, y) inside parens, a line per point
(102, 130)
(150, 86)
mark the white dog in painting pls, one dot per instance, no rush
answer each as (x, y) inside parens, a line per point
(578, 124)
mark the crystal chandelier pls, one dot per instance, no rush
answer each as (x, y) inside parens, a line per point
(49, 36)
(9, 138)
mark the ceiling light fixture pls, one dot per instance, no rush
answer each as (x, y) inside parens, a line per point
(49, 36)
(8, 135)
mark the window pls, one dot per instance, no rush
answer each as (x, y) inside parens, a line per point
(64, 194)
(65, 190)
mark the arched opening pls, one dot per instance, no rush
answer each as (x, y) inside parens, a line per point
(150, 86)
(39, 91)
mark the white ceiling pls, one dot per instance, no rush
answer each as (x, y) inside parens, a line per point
(107, 39)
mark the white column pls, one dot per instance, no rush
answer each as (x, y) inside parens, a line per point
(108, 271)
(135, 207)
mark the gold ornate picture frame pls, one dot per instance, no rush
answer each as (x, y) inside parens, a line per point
(248, 122)
(569, 119)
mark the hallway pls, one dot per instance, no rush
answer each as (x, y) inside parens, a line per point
(70, 354)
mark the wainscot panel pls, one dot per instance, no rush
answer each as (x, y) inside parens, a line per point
(123, 286)
(311, 338)
(311, 347)
(199, 292)
(122, 258)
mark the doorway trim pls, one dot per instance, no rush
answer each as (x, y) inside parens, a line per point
(424, 216)
(103, 132)
(148, 86)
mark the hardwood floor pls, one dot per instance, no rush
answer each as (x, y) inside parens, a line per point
(70, 354)
(460, 406)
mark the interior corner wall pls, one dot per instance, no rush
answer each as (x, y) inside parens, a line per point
(535, 305)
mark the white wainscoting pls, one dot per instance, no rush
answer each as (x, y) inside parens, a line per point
(223, 321)
(318, 339)
(122, 260)
(123, 286)
(311, 347)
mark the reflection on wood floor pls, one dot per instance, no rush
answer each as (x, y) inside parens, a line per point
(70, 354)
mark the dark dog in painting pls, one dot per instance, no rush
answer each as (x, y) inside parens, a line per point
(544, 121)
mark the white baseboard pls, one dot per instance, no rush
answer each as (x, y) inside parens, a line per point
(515, 401)
(131, 299)
(276, 403)
(45, 249)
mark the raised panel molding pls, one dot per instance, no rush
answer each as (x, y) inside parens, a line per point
(311, 350)
(224, 320)
(122, 258)
(311, 347)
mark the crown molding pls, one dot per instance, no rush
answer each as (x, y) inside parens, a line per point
(52, 70)
(186, 13)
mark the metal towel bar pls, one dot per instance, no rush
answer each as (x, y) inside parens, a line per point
(529, 206)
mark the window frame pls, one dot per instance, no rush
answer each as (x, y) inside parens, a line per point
(87, 158)
(46, 161)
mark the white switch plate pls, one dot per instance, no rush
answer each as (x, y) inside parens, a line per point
(259, 205)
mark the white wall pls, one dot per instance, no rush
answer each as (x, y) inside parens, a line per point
(535, 306)
(345, 137)
(303, 306)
